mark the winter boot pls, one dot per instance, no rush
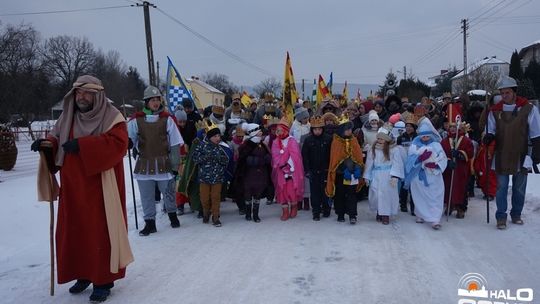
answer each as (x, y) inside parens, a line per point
(79, 286)
(501, 224)
(175, 223)
(216, 222)
(412, 207)
(101, 292)
(460, 213)
(294, 210)
(180, 210)
(352, 220)
(385, 219)
(285, 212)
(149, 227)
(341, 218)
(306, 203)
(206, 218)
(248, 212)
(256, 217)
(378, 217)
(517, 220)
(316, 217)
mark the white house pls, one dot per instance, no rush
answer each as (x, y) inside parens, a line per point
(529, 53)
(489, 67)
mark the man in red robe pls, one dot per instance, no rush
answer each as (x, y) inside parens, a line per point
(460, 150)
(89, 143)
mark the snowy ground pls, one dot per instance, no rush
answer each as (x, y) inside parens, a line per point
(298, 261)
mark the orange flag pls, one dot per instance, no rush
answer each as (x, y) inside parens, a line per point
(322, 90)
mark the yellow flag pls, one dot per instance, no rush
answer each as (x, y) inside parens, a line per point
(289, 90)
(245, 99)
(345, 93)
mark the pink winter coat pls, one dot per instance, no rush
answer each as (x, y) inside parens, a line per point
(280, 166)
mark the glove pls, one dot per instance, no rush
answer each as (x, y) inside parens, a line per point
(535, 155)
(424, 156)
(175, 173)
(135, 153)
(130, 143)
(36, 145)
(393, 182)
(451, 165)
(488, 138)
(71, 146)
(432, 165)
(307, 175)
(366, 182)
(458, 155)
(330, 202)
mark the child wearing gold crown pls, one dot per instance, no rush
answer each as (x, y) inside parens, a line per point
(384, 167)
(345, 171)
(288, 170)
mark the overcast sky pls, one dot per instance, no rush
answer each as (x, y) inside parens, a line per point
(359, 41)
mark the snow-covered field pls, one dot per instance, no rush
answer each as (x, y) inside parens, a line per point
(298, 261)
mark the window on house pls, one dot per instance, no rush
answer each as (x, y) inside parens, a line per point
(495, 68)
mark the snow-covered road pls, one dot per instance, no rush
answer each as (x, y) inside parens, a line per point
(298, 261)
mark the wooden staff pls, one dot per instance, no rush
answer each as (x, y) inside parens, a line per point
(47, 153)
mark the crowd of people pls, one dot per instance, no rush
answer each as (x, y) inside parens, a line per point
(422, 157)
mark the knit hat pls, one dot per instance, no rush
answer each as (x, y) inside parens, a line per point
(180, 115)
(398, 129)
(301, 114)
(373, 115)
(251, 129)
(394, 118)
(330, 116)
(385, 133)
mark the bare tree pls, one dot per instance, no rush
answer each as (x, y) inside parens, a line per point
(220, 82)
(482, 78)
(19, 47)
(268, 85)
(66, 58)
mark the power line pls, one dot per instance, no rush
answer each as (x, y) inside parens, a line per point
(216, 46)
(64, 11)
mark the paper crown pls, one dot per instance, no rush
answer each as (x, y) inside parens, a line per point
(217, 109)
(209, 125)
(284, 121)
(269, 120)
(316, 121)
(411, 119)
(330, 116)
(268, 97)
(236, 96)
(420, 110)
(343, 119)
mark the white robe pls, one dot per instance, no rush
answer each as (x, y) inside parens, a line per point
(429, 201)
(383, 198)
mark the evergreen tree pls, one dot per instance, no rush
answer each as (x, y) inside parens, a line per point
(390, 78)
(533, 73)
(515, 66)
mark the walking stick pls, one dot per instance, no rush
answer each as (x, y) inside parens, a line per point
(488, 165)
(458, 125)
(48, 155)
(131, 176)
(133, 190)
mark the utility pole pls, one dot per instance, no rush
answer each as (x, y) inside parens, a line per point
(151, 71)
(303, 96)
(465, 27)
(405, 72)
(157, 75)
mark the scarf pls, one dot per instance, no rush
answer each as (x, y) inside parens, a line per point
(93, 122)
